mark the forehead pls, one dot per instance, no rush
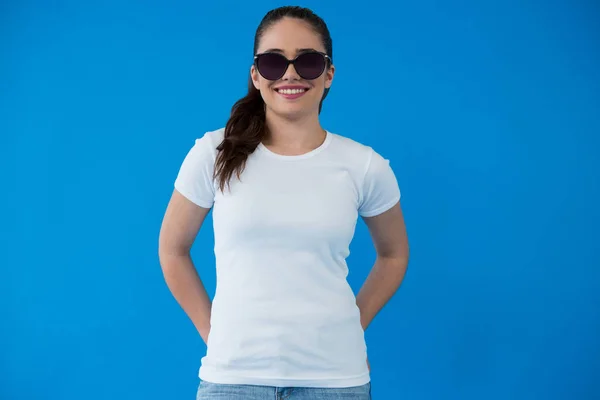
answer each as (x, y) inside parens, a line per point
(289, 35)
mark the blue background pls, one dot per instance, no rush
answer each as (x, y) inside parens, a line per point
(488, 111)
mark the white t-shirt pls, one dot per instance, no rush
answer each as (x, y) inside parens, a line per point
(283, 313)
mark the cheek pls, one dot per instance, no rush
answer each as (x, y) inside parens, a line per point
(319, 84)
(318, 88)
(266, 92)
(265, 86)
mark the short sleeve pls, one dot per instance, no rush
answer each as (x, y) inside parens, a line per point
(380, 189)
(195, 178)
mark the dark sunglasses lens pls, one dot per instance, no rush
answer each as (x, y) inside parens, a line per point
(310, 65)
(271, 66)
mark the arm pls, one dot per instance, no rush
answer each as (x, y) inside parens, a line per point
(180, 225)
(391, 244)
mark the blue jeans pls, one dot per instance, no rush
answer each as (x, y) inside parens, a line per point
(217, 391)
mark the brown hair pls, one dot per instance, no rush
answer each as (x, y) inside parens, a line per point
(246, 126)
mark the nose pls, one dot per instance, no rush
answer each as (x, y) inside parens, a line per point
(290, 74)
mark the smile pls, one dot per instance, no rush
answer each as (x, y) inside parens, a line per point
(291, 93)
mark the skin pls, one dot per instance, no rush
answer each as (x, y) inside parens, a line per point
(295, 130)
(294, 124)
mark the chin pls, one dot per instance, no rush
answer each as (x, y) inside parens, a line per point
(291, 113)
(293, 110)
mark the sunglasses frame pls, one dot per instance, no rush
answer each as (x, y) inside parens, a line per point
(293, 62)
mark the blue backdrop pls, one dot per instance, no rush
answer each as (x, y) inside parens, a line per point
(489, 112)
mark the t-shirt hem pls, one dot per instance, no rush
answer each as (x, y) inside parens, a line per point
(343, 382)
(382, 209)
(193, 199)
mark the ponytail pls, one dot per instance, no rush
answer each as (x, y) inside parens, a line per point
(244, 131)
(246, 127)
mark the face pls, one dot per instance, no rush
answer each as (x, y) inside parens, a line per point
(291, 96)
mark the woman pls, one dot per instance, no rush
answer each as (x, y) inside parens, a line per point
(286, 194)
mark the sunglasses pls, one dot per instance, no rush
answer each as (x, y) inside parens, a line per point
(309, 66)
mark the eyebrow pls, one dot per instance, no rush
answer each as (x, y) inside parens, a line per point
(298, 51)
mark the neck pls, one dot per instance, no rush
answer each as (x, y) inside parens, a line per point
(293, 136)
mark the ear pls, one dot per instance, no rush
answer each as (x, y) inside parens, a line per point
(255, 77)
(329, 76)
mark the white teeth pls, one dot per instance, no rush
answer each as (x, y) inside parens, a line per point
(291, 91)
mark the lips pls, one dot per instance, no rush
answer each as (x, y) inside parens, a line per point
(291, 92)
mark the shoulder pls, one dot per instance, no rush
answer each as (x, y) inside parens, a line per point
(350, 146)
(376, 182)
(364, 161)
(212, 139)
(205, 145)
(204, 149)
(356, 153)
